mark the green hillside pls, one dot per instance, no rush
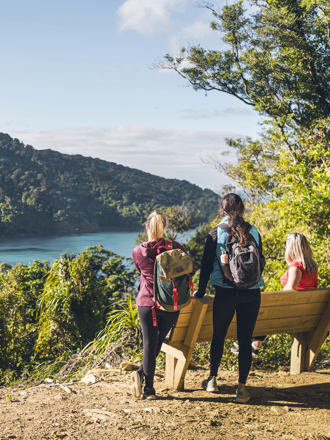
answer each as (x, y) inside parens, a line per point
(43, 192)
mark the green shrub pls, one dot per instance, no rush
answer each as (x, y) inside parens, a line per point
(79, 292)
(121, 322)
(20, 289)
(47, 314)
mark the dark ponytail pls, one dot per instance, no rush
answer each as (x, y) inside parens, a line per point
(232, 206)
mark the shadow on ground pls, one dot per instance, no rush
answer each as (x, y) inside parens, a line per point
(306, 396)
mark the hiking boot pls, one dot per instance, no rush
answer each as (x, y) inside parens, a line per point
(210, 384)
(242, 396)
(149, 393)
(136, 388)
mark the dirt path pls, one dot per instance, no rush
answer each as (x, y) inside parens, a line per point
(281, 407)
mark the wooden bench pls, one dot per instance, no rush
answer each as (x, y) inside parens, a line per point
(305, 314)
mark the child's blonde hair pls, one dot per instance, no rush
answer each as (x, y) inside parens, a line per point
(156, 223)
(298, 249)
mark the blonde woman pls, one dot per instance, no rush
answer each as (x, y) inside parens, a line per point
(144, 257)
(301, 274)
(302, 271)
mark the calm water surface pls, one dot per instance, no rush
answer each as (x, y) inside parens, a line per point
(25, 250)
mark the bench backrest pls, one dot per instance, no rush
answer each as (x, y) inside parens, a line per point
(280, 312)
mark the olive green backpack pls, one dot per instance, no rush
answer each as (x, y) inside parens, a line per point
(172, 279)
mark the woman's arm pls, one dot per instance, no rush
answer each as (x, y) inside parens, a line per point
(207, 262)
(135, 259)
(294, 276)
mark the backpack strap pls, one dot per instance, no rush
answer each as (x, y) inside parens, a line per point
(225, 227)
(153, 311)
(156, 304)
(168, 247)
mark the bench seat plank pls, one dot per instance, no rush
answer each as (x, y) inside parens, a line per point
(291, 297)
(286, 297)
(266, 313)
(190, 308)
(266, 327)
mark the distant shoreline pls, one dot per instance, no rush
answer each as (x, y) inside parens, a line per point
(70, 233)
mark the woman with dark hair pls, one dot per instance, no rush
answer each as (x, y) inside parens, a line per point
(229, 299)
(301, 274)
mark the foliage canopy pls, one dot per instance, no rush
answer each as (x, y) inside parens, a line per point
(277, 61)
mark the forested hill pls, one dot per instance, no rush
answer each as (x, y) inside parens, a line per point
(44, 192)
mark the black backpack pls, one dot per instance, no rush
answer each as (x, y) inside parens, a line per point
(246, 262)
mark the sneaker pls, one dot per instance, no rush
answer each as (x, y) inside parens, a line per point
(242, 396)
(149, 393)
(235, 348)
(255, 351)
(210, 384)
(136, 388)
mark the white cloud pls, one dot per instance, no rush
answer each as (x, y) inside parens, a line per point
(148, 16)
(167, 153)
(238, 110)
(15, 124)
(200, 114)
(193, 33)
(208, 114)
(162, 17)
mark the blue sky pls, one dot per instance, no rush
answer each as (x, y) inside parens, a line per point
(77, 77)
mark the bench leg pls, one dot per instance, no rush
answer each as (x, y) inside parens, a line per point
(181, 370)
(298, 352)
(190, 340)
(179, 374)
(177, 361)
(170, 365)
(317, 338)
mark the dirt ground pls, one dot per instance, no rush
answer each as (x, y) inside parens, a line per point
(281, 407)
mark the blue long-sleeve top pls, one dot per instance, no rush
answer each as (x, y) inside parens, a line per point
(210, 266)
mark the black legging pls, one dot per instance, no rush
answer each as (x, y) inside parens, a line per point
(153, 338)
(246, 303)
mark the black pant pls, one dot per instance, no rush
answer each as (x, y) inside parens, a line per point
(246, 303)
(153, 337)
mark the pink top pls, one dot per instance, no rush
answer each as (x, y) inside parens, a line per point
(144, 257)
(308, 281)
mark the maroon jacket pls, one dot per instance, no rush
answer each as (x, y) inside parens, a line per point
(144, 257)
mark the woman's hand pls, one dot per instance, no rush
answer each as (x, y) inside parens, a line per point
(195, 294)
(294, 277)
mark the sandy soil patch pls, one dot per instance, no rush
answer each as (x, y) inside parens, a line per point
(281, 407)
